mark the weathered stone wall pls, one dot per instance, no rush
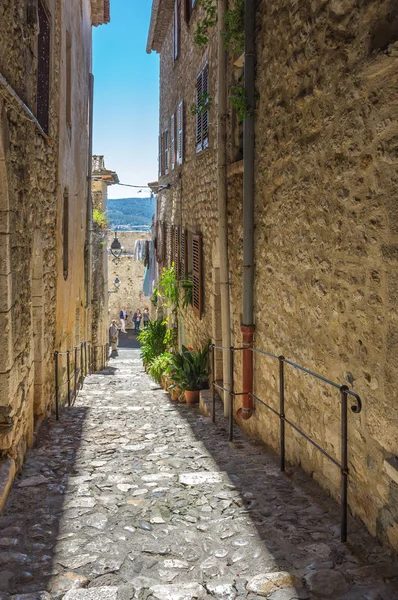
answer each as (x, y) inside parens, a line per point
(34, 171)
(131, 275)
(193, 203)
(325, 229)
(326, 237)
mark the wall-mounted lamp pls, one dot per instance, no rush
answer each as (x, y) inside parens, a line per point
(116, 249)
(116, 286)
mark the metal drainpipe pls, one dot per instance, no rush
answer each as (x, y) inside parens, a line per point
(222, 116)
(247, 326)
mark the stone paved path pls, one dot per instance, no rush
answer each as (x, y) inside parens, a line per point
(131, 496)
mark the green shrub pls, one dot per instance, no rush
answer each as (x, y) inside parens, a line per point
(154, 340)
(189, 369)
(159, 366)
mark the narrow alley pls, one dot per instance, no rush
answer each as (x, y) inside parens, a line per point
(131, 495)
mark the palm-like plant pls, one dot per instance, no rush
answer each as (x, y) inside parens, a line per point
(154, 340)
(189, 369)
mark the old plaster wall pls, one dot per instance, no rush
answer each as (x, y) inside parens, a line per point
(38, 312)
(326, 237)
(197, 193)
(99, 301)
(74, 166)
(131, 275)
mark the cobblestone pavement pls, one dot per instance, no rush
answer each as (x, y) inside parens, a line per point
(130, 496)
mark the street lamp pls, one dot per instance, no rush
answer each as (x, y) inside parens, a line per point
(116, 249)
(116, 286)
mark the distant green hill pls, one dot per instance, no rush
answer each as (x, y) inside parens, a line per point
(130, 213)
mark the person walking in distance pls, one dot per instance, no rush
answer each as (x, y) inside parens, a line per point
(113, 336)
(123, 318)
(145, 317)
(137, 320)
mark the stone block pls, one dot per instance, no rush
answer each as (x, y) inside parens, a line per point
(8, 386)
(5, 261)
(4, 221)
(6, 339)
(5, 292)
(98, 593)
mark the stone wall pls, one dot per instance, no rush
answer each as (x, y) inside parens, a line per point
(39, 310)
(131, 275)
(325, 229)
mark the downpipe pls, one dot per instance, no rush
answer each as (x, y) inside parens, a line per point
(247, 327)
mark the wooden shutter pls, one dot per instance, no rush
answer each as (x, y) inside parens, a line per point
(171, 245)
(166, 151)
(176, 242)
(183, 255)
(197, 275)
(199, 93)
(173, 141)
(180, 134)
(205, 116)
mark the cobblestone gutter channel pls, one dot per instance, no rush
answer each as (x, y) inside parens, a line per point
(130, 496)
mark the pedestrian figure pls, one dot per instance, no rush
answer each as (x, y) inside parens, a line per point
(113, 336)
(145, 317)
(137, 320)
(123, 317)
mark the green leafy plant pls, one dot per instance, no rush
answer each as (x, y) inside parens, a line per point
(203, 104)
(155, 297)
(187, 288)
(234, 31)
(100, 219)
(159, 366)
(168, 287)
(239, 102)
(201, 35)
(154, 340)
(189, 369)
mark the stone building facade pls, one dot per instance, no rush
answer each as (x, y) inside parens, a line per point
(102, 178)
(325, 285)
(45, 82)
(131, 274)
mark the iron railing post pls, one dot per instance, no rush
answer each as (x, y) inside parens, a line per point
(282, 411)
(81, 365)
(56, 386)
(68, 373)
(75, 378)
(344, 463)
(213, 389)
(232, 393)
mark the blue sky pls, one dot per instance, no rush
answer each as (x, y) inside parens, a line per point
(126, 96)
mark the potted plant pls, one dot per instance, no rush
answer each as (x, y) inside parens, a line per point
(189, 370)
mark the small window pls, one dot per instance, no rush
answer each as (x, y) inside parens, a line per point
(65, 234)
(176, 29)
(43, 68)
(164, 153)
(202, 109)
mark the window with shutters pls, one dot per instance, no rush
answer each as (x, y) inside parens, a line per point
(164, 153)
(180, 132)
(173, 140)
(202, 109)
(176, 29)
(197, 275)
(43, 68)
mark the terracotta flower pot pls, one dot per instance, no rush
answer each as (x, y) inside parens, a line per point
(191, 396)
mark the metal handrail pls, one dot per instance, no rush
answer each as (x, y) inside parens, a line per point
(88, 354)
(344, 393)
